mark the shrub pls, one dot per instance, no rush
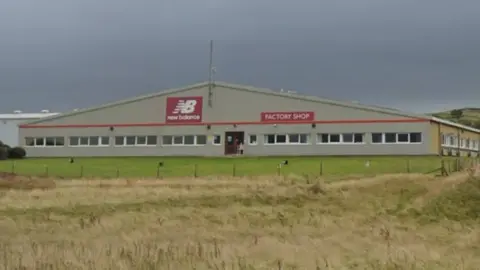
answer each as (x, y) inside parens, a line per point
(1, 143)
(3, 153)
(17, 153)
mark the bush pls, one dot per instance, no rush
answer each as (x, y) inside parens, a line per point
(1, 143)
(17, 153)
(3, 153)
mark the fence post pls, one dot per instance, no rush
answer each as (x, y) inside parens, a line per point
(46, 170)
(118, 173)
(234, 170)
(158, 171)
(408, 165)
(81, 171)
(13, 166)
(279, 168)
(321, 168)
(195, 171)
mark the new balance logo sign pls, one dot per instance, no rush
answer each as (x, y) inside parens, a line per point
(185, 106)
(184, 110)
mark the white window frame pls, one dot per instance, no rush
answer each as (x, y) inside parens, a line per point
(219, 139)
(340, 139)
(100, 144)
(136, 141)
(195, 140)
(254, 142)
(474, 145)
(287, 139)
(383, 134)
(44, 145)
(463, 143)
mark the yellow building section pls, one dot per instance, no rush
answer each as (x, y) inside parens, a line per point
(451, 140)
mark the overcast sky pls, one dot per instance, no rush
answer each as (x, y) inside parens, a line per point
(414, 55)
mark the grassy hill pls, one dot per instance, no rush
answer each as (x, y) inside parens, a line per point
(466, 116)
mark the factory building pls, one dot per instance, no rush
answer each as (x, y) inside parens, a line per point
(212, 119)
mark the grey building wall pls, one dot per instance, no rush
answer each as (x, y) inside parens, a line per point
(9, 132)
(218, 150)
(229, 105)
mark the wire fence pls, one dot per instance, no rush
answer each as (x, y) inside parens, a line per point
(238, 168)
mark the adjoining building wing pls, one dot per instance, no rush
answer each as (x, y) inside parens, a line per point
(9, 124)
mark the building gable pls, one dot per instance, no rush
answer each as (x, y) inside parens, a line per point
(231, 103)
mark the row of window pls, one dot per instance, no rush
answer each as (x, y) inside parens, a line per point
(345, 138)
(452, 140)
(269, 139)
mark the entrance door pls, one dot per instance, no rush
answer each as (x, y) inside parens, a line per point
(232, 139)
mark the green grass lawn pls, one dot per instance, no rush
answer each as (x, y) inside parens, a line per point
(186, 167)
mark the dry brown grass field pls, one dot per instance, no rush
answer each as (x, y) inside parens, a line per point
(402, 221)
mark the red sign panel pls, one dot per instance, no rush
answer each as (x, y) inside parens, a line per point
(184, 110)
(287, 116)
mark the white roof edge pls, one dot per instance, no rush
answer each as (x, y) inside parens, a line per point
(450, 123)
(19, 116)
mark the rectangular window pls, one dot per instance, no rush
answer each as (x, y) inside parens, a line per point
(347, 138)
(29, 141)
(201, 140)
(415, 137)
(294, 138)
(87, 141)
(324, 138)
(130, 140)
(152, 140)
(177, 140)
(269, 139)
(377, 137)
(44, 141)
(358, 138)
(83, 141)
(119, 140)
(217, 140)
(141, 140)
(390, 137)
(403, 137)
(452, 140)
(283, 139)
(167, 140)
(344, 138)
(189, 140)
(94, 141)
(104, 140)
(304, 138)
(252, 139)
(59, 141)
(49, 141)
(280, 138)
(74, 141)
(39, 142)
(334, 138)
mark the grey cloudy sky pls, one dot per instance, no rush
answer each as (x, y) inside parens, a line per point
(410, 54)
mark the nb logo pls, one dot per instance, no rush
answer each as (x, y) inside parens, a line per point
(185, 106)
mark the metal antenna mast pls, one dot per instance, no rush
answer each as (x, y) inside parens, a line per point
(211, 73)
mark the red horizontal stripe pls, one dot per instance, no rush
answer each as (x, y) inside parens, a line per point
(366, 121)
